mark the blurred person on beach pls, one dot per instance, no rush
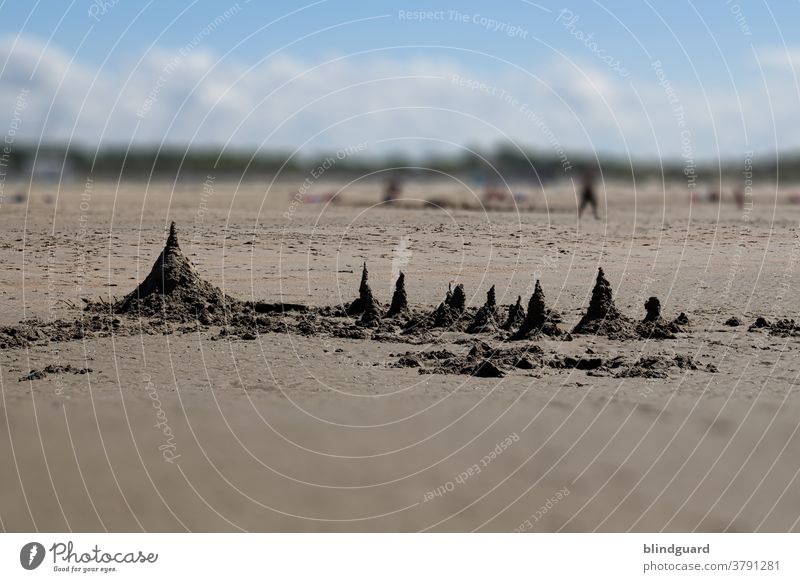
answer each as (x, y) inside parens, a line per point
(588, 195)
(738, 197)
(393, 190)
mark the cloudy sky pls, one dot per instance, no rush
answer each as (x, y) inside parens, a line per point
(646, 79)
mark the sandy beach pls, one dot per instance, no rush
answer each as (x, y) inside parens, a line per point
(194, 430)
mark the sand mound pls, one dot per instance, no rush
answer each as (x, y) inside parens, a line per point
(487, 316)
(539, 320)
(174, 291)
(602, 316)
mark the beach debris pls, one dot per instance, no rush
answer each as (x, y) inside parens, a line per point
(539, 320)
(173, 291)
(399, 305)
(486, 317)
(733, 322)
(515, 315)
(602, 316)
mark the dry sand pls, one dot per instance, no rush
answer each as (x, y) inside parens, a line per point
(294, 433)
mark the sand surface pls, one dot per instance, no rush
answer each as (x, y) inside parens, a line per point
(293, 433)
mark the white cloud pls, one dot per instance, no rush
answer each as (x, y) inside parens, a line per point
(286, 102)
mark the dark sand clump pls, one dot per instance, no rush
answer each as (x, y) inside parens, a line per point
(486, 319)
(515, 315)
(450, 311)
(539, 320)
(31, 332)
(651, 366)
(659, 366)
(733, 322)
(399, 305)
(602, 316)
(482, 360)
(780, 327)
(54, 369)
(173, 291)
(653, 326)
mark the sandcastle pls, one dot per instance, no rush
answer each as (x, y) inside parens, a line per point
(174, 291)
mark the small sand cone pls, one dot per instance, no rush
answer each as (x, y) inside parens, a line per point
(366, 300)
(173, 287)
(491, 300)
(602, 305)
(515, 316)
(602, 316)
(487, 316)
(538, 319)
(399, 305)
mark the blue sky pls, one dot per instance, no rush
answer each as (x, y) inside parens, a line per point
(324, 75)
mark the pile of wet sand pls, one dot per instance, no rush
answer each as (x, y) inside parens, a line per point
(173, 291)
(54, 369)
(779, 327)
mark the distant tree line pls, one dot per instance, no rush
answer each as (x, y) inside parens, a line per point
(505, 163)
